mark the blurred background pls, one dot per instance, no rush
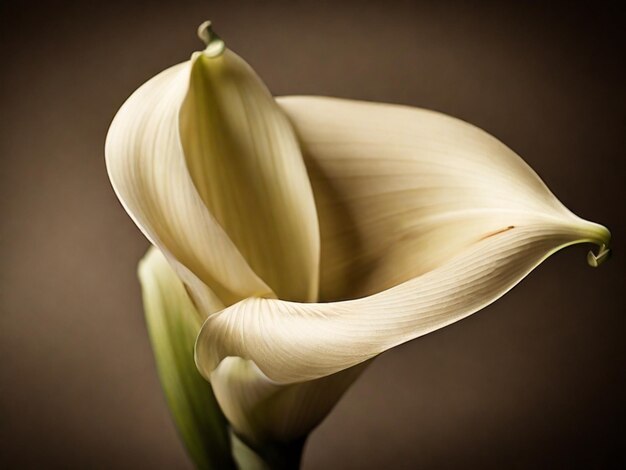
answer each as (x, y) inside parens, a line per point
(536, 380)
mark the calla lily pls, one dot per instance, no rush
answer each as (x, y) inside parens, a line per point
(296, 239)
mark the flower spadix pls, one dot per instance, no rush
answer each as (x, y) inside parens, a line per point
(310, 234)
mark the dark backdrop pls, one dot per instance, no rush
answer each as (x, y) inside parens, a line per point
(534, 381)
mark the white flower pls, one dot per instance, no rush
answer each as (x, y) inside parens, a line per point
(311, 234)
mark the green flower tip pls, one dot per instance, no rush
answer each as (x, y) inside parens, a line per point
(214, 44)
(596, 260)
(600, 236)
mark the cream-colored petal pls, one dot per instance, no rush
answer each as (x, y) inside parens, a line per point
(266, 412)
(257, 408)
(147, 168)
(401, 190)
(173, 323)
(293, 342)
(246, 164)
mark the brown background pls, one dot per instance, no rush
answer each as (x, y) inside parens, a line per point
(534, 381)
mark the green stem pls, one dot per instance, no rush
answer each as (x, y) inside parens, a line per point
(275, 456)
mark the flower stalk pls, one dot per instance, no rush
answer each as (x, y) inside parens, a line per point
(272, 456)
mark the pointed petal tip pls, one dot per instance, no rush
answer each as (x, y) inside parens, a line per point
(596, 260)
(601, 236)
(214, 44)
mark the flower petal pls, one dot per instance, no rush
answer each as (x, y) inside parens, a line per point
(147, 168)
(294, 342)
(401, 190)
(173, 324)
(256, 407)
(264, 411)
(246, 164)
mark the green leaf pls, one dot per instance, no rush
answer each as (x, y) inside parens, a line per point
(173, 323)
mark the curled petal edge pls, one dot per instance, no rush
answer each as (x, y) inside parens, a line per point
(293, 342)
